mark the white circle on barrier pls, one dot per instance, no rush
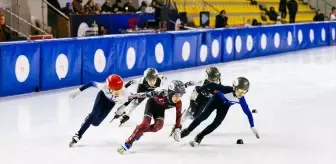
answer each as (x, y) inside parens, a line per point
(185, 50)
(203, 53)
(333, 34)
(215, 48)
(159, 53)
(289, 38)
(22, 68)
(323, 34)
(249, 43)
(229, 45)
(99, 61)
(300, 36)
(62, 66)
(238, 44)
(130, 58)
(276, 40)
(311, 35)
(263, 41)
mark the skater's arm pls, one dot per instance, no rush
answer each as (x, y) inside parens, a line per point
(246, 110)
(214, 87)
(131, 82)
(178, 115)
(151, 94)
(90, 84)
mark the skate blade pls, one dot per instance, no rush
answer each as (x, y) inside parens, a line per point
(121, 150)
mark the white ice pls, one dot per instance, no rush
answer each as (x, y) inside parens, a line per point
(294, 94)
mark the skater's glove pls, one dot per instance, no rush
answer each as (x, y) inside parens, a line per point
(255, 132)
(129, 83)
(177, 133)
(193, 95)
(74, 93)
(189, 83)
(163, 77)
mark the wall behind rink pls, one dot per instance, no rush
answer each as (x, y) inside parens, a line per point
(52, 64)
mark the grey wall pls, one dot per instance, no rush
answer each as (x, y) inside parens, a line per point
(320, 4)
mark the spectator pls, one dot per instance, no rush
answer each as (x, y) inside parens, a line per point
(118, 7)
(78, 7)
(272, 15)
(255, 22)
(143, 7)
(68, 10)
(292, 10)
(98, 8)
(282, 8)
(128, 7)
(102, 31)
(107, 6)
(4, 30)
(89, 7)
(333, 14)
(221, 20)
(318, 16)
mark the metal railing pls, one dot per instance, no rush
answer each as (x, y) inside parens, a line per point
(58, 12)
(18, 32)
(23, 20)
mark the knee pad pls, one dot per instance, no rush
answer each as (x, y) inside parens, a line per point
(158, 125)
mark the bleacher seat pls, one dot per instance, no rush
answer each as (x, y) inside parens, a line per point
(238, 11)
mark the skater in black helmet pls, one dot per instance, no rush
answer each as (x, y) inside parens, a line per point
(149, 82)
(222, 99)
(199, 100)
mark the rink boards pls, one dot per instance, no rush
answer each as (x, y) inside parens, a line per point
(44, 65)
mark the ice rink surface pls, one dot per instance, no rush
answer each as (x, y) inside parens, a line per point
(294, 94)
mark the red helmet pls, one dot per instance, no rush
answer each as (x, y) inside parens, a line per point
(114, 82)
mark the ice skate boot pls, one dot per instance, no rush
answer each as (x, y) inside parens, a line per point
(124, 148)
(196, 141)
(74, 140)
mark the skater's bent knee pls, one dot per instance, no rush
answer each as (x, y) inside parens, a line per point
(158, 126)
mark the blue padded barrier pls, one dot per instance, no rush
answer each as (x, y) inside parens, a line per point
(19, 68)
(159, 51)
(228, 45)
(98, 59)
(246, 43)
(61, 62)
(185, 46)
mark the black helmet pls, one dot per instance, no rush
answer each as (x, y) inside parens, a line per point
(213, 74)
(151, 74)
(176, 86)
(241, 83)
